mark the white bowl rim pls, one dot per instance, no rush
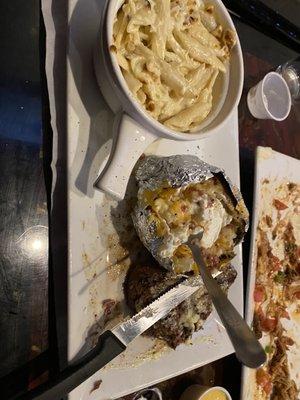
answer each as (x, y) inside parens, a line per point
(159, 128)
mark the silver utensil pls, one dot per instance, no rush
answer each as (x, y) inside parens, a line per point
(247, 348)
(113, 342)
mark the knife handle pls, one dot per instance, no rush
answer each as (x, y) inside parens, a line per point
(107, 348)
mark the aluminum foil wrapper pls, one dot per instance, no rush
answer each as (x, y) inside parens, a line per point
(176, 171)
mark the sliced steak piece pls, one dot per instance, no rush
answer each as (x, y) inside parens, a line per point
(146, 283)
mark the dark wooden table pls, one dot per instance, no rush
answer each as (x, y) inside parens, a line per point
(28, 321)
(23, 202)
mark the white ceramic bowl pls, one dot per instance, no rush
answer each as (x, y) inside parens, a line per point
(135, 129)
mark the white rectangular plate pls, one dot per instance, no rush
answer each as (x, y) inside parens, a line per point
(93, 243)
(276, 168)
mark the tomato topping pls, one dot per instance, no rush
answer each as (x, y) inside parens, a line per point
(263, 379)
(279, 205)
(268, 324)
(259, 293)
(297, 295)
(275, 263)
(268, 387)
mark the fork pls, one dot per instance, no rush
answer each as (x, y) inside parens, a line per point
(247, 348)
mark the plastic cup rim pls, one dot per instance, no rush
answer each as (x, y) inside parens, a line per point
(272, 73)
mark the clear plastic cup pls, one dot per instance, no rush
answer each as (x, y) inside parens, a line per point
(270, 98)
(290, 72)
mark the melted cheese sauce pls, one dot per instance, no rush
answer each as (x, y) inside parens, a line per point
(215, 395)
(180, 212)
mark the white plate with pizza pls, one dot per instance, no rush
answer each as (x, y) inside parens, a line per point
(273, 295)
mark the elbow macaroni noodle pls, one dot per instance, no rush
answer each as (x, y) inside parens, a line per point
(170, 53)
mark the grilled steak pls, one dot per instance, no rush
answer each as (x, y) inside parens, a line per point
(145, 283)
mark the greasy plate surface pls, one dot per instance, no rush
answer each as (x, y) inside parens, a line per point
(95, 270)
(277, 169)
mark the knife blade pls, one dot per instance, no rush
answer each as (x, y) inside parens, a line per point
(113, 342)
(127, 331)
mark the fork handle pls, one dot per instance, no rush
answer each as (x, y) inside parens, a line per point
(247, 348)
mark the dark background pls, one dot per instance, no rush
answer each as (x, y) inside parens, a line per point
(23, 206)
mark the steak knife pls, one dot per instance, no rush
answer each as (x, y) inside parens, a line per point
(113, 342)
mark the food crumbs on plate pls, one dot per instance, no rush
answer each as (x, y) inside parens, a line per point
(85, 260)
(108, 306)
(264, 153)
(204, 339)
(96, 385)
(158, 349)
